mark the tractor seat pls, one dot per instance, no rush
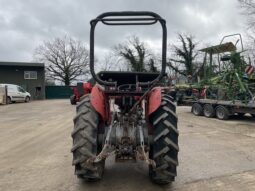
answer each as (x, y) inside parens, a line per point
(127, 77)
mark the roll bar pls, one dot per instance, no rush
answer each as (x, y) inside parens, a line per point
(128, 18)
(237, 34)
(227, 36)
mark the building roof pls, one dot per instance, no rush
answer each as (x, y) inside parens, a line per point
(33, 64)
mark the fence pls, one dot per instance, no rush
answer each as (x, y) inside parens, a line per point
(58, 92)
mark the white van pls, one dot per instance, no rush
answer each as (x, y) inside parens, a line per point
(16, 93)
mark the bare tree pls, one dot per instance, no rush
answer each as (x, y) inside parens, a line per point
(65, 59)
(136, 54)
(152, 65)
(184, 56)
(110, 62)
(248, 7)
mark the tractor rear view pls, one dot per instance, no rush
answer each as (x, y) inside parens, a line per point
(126, 114)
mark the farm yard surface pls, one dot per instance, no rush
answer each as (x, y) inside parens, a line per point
(35, 145)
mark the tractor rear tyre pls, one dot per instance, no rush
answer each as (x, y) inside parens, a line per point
(73, 99)
(208, 111)
(197, 109)
(164, 148)
(85, 142)
(222, 112)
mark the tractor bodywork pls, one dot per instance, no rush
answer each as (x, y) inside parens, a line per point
(81, 89)
(127, 114)
(125, 95)
(129, 121)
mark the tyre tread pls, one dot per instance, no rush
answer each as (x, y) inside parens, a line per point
(165, 143)
(85, 140)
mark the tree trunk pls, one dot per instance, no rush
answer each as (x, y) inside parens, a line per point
(67, 81)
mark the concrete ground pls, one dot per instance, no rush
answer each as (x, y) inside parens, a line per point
(35, 153)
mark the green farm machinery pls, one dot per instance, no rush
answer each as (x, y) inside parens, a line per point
(228, 88)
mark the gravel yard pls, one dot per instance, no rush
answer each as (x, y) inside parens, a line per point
(35, 145)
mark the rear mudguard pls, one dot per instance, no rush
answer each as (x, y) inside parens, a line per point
(99, 103)
(153, 103)
(153, 100)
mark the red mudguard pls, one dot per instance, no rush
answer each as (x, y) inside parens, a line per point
(153, 103)
(87, 87)
(98, 101)
(154, 100)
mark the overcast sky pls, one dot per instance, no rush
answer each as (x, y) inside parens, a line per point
(25, 24)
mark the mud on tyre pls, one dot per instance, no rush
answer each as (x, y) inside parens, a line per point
(164, 149)
(85, 141)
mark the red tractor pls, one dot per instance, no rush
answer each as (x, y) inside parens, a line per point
(126, 114)
(80, 90)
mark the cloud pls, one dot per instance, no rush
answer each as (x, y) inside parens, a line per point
(26, 24)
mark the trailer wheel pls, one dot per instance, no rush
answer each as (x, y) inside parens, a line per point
(85, 142)
(222, 112)
(164, 148)
(240, 115)
(197, 109)
(208, 111)
(73, 99)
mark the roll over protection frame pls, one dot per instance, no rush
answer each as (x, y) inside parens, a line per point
(128, 18)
